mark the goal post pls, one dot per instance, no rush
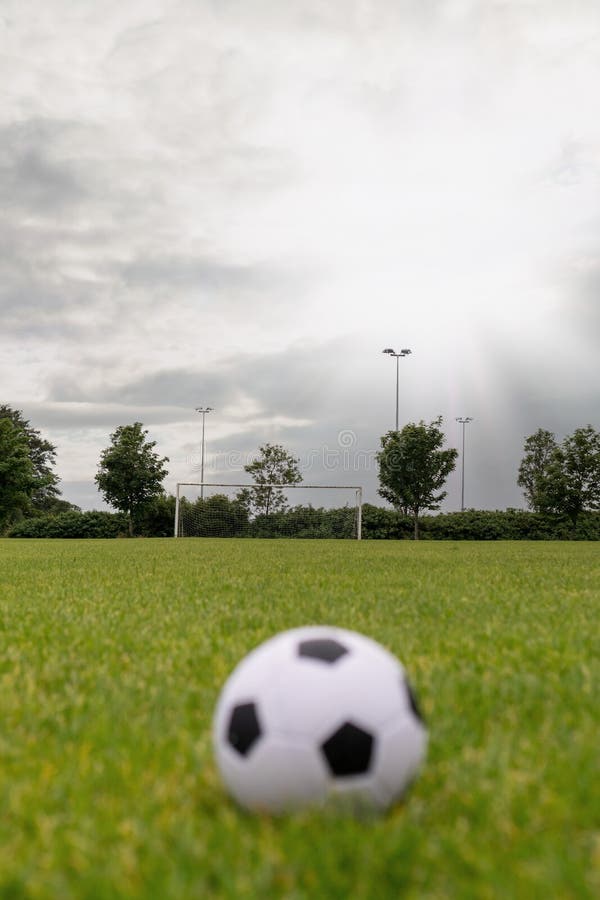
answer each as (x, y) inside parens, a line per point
(213, 509)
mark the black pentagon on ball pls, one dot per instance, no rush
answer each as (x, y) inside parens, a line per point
(325, 649)
(244, 728)
(412, 700)
(348, 751)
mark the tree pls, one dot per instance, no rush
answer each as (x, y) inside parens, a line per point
(568, 480)
(130, 474)
(579, 460)
(274, 466)
(413, 468)
(539, 450)
(17, 477)
(42, 454)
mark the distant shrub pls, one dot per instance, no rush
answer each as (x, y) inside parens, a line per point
(71, 524)
(472, 524)
(216, 516)
(157, 518)
(380, 523)
(508, 525)
(305, 522)
(220, 517)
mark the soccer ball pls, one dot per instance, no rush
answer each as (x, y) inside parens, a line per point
(317, 715)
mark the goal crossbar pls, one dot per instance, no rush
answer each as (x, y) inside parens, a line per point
(254, 486)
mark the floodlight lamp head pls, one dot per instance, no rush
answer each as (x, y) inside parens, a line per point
(388, 350)
(405, 352)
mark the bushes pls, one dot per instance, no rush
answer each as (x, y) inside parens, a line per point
(156, 521)
(305, 522)
(71, 524)
(479, 525)
(509, 525)
(217, 517)
(220, 517)
(382, 524)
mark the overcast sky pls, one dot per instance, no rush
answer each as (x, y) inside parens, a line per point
(240, 203)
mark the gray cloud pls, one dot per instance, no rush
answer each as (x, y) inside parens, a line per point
(289, 383)
(81, 219)
(226, 281)
(32, 174)
(62, 416)
(174, 388)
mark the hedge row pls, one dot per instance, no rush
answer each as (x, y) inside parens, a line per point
(71, 525)
(307, 522)
(155, 521)
(479, 525)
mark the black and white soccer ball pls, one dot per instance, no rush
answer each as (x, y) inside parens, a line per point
(318, 714)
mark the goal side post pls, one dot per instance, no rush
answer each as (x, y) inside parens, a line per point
(176, 526)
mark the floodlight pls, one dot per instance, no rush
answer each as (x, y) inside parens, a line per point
(397, 356)
(202, 410)
(463, 420)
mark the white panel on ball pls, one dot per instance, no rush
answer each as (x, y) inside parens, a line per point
(279, 776)
(401, 750)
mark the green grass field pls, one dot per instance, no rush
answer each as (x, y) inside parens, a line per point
(112, 654)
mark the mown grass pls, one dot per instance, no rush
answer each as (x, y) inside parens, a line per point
(112, 654)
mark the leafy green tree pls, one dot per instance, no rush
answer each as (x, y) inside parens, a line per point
(539, 449)
(130, 473)
(573, 480)
(17, 476)
(567, 477)
(413, 468)
(274, 465)
(55, 506)
(42, 454)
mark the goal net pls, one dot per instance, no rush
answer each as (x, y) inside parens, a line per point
(268, 510)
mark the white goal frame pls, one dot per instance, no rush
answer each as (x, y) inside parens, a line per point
(217, 484)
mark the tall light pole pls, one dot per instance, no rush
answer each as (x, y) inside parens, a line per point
(463, 420)
(202, 410)
(390, 352)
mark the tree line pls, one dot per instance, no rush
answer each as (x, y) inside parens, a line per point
(560, 482)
